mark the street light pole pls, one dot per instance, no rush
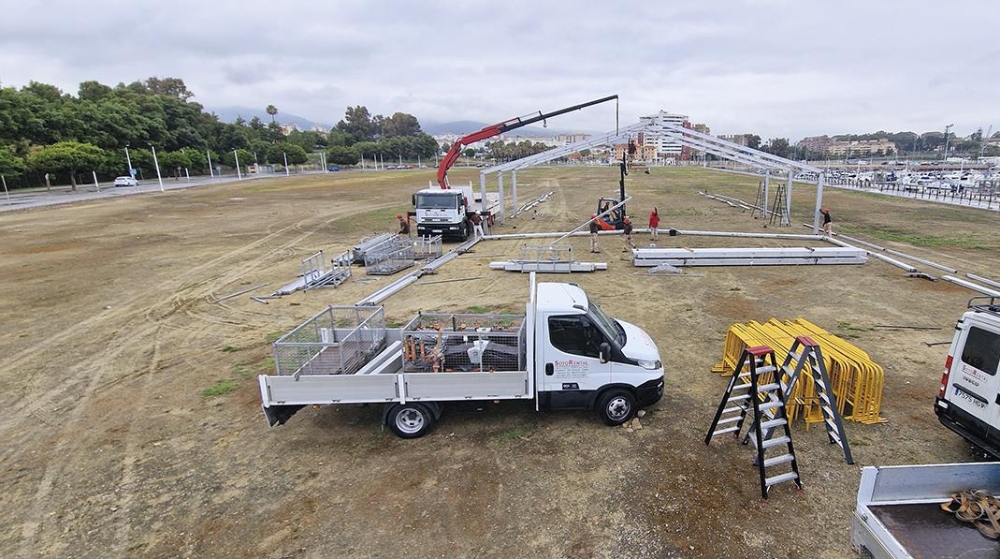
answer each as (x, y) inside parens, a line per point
(285, 156)
(157, 163)
(237, 156)
(129, 159)
(208, 154)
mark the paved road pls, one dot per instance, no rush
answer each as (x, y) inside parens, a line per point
(38, 197)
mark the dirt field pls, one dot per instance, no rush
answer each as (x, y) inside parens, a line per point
(112, 448)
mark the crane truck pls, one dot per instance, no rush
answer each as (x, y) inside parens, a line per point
(444, 209)
(563, 353)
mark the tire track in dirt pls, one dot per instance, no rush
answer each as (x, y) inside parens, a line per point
(154, 318)
(11, 421)
(151, 322)
(128, 477)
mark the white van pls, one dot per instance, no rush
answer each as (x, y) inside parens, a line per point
(968, 401)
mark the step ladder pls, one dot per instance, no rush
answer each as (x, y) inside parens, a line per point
(756, 390)
(804, 352)
(760, 204)
(778, 208)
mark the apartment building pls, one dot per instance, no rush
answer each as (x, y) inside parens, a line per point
(859, 148)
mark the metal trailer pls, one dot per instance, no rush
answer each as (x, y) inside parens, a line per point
(898, 512)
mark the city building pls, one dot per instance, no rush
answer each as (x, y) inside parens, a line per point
(664, 146)
(859, 148)
(815, 144)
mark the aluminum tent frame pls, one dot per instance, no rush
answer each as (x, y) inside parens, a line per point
(685, 136)
(549, 155)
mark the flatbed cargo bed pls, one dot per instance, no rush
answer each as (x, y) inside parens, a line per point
(899, 515)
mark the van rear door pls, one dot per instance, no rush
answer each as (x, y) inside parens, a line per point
(974, 383)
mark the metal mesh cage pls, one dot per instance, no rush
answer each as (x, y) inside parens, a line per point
(426, 248)
(338, 340)
(547, 253)
(464, 342)
(389, 258)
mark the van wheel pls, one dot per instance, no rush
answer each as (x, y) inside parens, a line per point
(616, 407)
(410, 421)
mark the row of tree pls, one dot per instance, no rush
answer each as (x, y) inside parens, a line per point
(45, 132)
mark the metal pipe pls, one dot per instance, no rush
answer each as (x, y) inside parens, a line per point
(983, 280)
(972, 286)
(881, 257)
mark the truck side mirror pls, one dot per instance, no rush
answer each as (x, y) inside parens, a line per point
(605, 352)
(413, 200)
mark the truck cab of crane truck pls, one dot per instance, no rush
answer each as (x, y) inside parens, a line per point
(585, 359)
(442, 212)
(968, 401)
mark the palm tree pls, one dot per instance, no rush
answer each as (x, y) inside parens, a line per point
(272, 110)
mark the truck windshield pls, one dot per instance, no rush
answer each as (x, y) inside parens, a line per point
(437, 201)
(610, 327)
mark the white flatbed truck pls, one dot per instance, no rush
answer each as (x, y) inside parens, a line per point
(563, 353)
(898, 513)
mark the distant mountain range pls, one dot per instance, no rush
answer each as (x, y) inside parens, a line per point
(230, 114)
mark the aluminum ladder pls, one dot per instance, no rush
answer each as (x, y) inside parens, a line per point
(806, 351)
(761, 398)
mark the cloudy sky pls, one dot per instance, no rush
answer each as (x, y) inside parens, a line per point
(777, 68)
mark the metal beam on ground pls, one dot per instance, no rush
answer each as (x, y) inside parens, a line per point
(972, 286)
(881, 257)
(983, 280)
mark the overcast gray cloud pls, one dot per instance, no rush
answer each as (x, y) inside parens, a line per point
(771, 67)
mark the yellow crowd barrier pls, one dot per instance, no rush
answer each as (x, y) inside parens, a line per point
(855, 380)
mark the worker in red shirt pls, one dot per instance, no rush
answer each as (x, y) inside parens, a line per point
(654, 222)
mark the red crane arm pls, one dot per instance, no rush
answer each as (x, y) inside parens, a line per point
(495, 130)
(456, 150)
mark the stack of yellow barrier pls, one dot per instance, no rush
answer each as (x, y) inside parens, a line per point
(855, 379)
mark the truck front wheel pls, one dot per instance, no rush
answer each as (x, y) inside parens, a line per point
(616, 407)
(410, 421)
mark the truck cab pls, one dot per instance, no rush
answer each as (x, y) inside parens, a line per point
(588, 360)
(442, 212)
(968, 401)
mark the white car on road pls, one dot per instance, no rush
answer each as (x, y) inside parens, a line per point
(126, 181)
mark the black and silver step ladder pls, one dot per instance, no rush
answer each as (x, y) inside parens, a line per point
(806, 351)
(756, 390)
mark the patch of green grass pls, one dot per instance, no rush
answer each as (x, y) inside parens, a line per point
(843, 325)
(240, 369)
(273, 337)
(220, 388)
(478, 309)
(512, 434)
(736, 289)
(967, 242)
(229, 349)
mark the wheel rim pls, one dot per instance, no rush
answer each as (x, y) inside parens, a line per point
(619, 408)
(410, 421)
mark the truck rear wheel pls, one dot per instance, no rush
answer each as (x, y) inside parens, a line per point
(410, 421)
(616, 407)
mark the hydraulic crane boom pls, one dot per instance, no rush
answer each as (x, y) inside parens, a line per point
(500, 128)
